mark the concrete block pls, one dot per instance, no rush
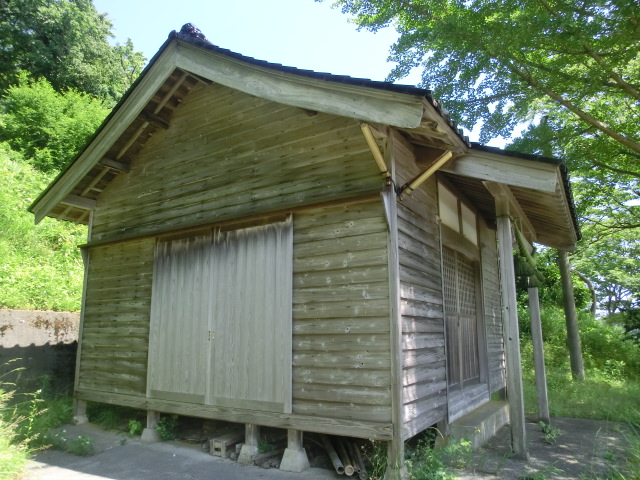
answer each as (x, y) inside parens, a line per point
(294, 460)
(481, 424)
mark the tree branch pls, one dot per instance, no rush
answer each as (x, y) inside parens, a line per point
(615, 169)
(604, 128)
(598, 59)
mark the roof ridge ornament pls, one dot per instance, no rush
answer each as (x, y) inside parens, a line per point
(193, 31)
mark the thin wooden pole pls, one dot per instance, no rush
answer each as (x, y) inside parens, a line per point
(538, 355)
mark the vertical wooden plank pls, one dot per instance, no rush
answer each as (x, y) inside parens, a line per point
(538, 355)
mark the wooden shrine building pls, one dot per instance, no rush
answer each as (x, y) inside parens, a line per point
(280, 247)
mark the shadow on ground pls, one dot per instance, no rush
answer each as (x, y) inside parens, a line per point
(582, 449)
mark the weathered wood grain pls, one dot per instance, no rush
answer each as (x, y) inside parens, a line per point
(116, 317)
(305, 418)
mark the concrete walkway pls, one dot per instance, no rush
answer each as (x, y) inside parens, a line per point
(118, 457)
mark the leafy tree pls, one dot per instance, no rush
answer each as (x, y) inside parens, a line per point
(611, 263)
(46, 127)
(568, 69)
(66, 42)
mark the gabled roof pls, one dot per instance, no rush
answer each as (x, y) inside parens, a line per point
(187, 58)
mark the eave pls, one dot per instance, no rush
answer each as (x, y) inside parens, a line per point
(539, 186)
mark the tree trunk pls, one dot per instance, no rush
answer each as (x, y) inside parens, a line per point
(571, 317)
(592, 291)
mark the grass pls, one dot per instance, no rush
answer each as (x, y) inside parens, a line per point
(14, 453)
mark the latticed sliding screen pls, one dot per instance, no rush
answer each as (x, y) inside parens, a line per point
(461, 318)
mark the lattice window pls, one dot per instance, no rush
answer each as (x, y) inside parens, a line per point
(461, 316)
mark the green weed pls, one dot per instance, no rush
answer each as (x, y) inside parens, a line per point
(264, 446)
(426, 462)
(80, 445)
(112, 417)
(135, 427)
(375, 453)
(551, 433)
(14, 453)
(168, 427)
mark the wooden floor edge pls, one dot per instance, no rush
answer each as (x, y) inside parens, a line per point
(306, 423)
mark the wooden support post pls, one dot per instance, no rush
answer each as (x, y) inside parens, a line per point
(151, 434)
(295, 457)
(250, 447)
(395, 454)
(538, 355)
(511, 331)
(80, 412)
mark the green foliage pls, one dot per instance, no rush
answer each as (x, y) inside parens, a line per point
(570, 73)
(612, 370)
(375, 454)
(168, 427)
(134, 428)
(66, 42)
(25, 424)
(551, 433)
(502, 65)
(40, 267)
(80, 445)
(46, 127)
(611, 263)
(424, 462)
(13, 452)
(264, 446)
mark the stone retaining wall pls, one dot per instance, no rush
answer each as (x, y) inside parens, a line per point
(37, 345)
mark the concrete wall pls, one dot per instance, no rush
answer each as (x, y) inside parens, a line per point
(35, 344)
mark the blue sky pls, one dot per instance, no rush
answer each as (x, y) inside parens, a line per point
(297, 33)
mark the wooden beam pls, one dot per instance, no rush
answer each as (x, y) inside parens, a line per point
(365, 104)
(107, 134)
(306, 423)
(510, 329)
(154, 119)
(375, 151)
(80, 202)
(411, 185)
(513, 171)
(515, 210)
(114, 165)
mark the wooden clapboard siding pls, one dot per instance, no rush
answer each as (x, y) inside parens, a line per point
(230, 155)
(116, 318)
(424, 376)
(492, 307)
(341, 364)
